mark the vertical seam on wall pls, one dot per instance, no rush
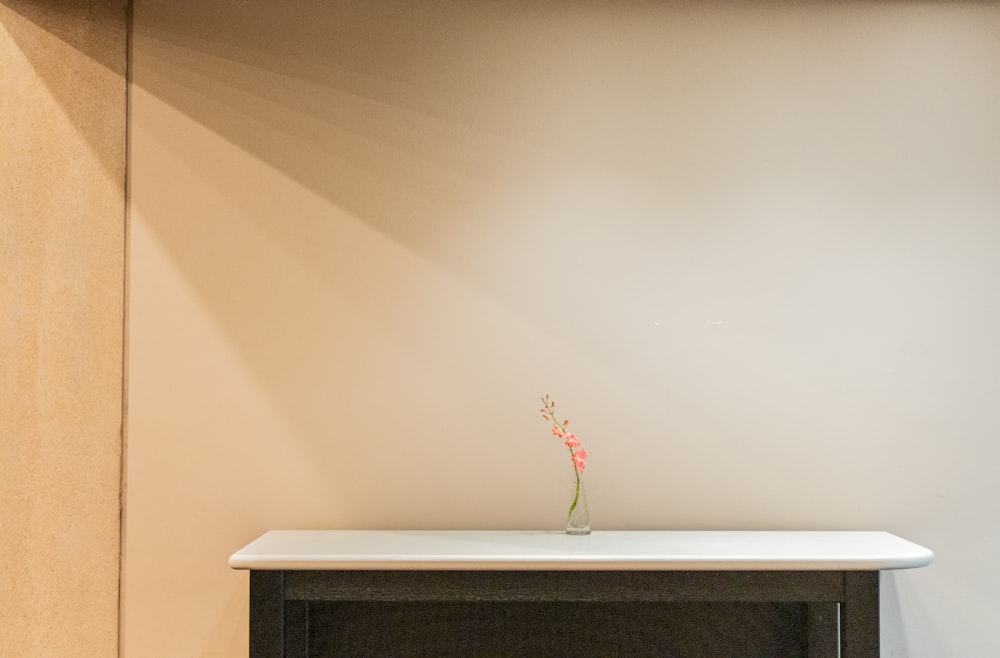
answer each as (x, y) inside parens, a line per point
(126, 220)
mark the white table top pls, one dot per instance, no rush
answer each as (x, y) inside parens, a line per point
(602, 550)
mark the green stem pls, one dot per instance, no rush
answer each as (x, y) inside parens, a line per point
(576, 496)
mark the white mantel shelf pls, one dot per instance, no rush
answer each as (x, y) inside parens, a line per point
(625, 550)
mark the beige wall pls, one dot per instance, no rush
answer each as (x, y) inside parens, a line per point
(62, 223)
(750, 248)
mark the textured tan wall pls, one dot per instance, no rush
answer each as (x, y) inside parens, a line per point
(62, 238)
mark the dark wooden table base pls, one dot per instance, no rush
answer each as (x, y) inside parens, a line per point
(666, 614)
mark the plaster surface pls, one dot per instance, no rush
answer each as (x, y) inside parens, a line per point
(749, 248)
(62, 242)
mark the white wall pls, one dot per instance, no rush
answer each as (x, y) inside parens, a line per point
(751, 249)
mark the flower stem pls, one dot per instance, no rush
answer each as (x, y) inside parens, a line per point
(550, 410)
(576, 495)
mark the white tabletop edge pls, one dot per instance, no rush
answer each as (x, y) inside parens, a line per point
(608, 550)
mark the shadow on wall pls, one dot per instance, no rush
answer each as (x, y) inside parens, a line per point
(543, 156)
(635, 199)
(414, 124)
(95, 28)
(437, 194)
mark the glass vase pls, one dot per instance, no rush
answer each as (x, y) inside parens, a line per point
(578, 520)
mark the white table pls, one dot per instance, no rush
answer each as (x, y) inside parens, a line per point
(477, 588)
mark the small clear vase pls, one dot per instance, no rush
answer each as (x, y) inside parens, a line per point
(578, 521)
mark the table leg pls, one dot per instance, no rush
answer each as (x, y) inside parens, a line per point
(267, 614)
(859, 615)
(278, 628)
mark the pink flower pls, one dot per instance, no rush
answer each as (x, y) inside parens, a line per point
(561, 430)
